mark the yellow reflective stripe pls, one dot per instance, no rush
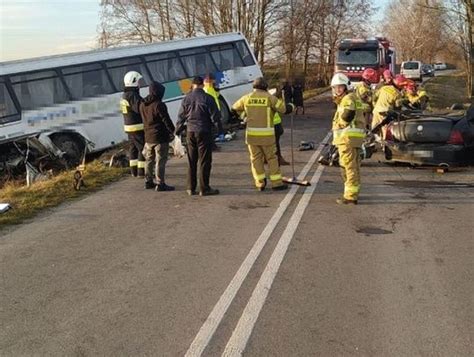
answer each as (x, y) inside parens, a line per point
(259, 177)
(257, 102)
(349, 132)
(132, 128)
(141, 164)
(133, 162)
(124, 106)
(269, 117)
(275, 177)
(351, 189)
(260, 131)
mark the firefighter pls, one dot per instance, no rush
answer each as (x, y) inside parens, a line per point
(364, 90)
(348, 129)
(259, 107)
(387, 79)
(415, 98)
(389, 98)
(129, 106)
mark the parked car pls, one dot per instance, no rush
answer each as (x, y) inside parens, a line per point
(412, 70)
(427, 70)
(428, 139)
(439, 66)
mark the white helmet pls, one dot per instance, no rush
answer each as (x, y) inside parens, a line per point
(340, 79)
(132, 78)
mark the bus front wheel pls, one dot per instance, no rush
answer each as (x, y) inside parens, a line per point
(72, 146)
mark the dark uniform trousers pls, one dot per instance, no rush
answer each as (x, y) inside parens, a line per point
(199, 154)
(136, 141)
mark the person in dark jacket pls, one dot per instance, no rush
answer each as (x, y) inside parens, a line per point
(287, 92)
(298, 90)
(200, 113)
(129, 106)
(159, 131)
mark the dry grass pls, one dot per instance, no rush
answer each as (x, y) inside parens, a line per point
(444, 91)
(26, 202)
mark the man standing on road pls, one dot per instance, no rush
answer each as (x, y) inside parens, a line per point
(159, 131)
(260, 107)
(200, 112)
(348, 129)
(130, 108)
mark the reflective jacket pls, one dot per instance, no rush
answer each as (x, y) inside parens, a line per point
(389, 98)
(418, 100)
(209, 89)
(260, 108)
(348, 125)
(364, 93)
(130, 108)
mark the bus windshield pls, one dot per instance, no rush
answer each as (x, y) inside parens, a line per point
(8, 111)
(357, 57)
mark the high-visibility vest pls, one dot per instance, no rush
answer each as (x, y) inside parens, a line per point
(276, 119)
(260, 107)
(352, 133)
(209, 89)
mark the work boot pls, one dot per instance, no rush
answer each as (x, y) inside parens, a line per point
(149, 185)
(133, 171)
(282, 161)
(209, 192)
(262, 188)
(282, 187)
(344, 201)
(164, 187)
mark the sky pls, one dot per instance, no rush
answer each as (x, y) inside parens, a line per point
(46, 27)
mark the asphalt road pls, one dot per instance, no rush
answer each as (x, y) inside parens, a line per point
(129, 272)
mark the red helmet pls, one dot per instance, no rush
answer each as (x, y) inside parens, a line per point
(400, 81)
(410, 85)
(387, 75)
(370, 75)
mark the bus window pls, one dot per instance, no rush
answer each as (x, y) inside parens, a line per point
(165, 67)
(87, 81)
(245, 53)
(40, 89)
(226, 57)
(8, 112)
(119, 68)
(197, 62)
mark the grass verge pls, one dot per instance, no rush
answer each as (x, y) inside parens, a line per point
(444, 91)
(26, 202)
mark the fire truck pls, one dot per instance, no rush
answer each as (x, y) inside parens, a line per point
(355, 55)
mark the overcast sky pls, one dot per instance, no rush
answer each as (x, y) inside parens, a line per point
(44, 27)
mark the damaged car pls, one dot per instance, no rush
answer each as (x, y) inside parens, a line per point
(431, 139)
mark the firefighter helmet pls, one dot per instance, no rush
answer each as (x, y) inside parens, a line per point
(400, 81)
(370, 75)
(131, 79)
(387, 76)
(340, 79)
(410, 85)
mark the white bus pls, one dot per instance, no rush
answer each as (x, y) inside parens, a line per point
(65, 99)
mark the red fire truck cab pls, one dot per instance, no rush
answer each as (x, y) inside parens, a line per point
(355, 55)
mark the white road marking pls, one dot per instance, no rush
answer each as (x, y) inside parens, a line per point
(238, 341)
(209, 327)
